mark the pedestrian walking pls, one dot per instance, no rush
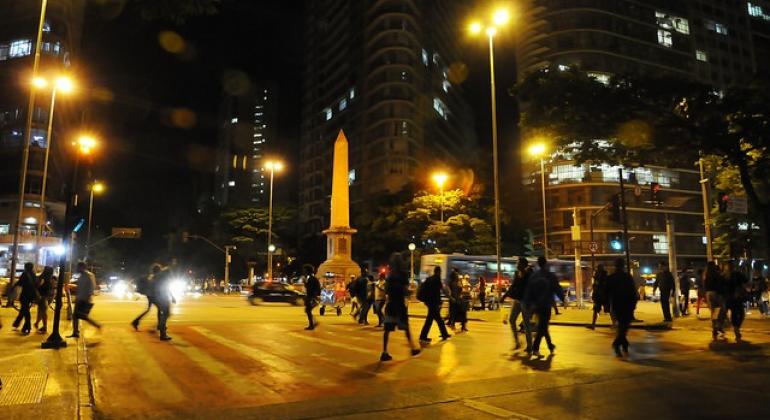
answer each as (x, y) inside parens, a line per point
(483, 293)
(764, 293)
(736, 295)
(622, 296)
(540, 292)
(312, 295)
(664, 281)
(86, 286)
(700, 289)
(458, 311)
(516, 292)
(361, 290)
(685, 283)
(714, 284)
(45, 292)
(599, 293)
(379, 298)
(396, 313)
(27, 296)
(145, 287)
(429, 293)
(355, 305)
(163, 298)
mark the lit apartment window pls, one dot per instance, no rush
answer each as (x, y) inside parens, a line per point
(671, 22)
(327, 112)
(352, 93)
(343, 104)
(664, 38)
(701, 55)
(20, 48)
(3, 52)
(441, 108)
(603, 78)
(563, 67)
(47, 26)
(234, 120)
(660, 243)
(757, 11)
(424, 57)
(716, 27)
(231, 184)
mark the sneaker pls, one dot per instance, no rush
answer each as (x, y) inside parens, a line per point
(537, 355)
(384, 357)
(165, 338)
(135, 324)
(426, 340)
(309, 328)
(445, 337)
(551, 348)
(73, 335)
(42, 330)
(625, 349)
(415, 352)
(617, 351)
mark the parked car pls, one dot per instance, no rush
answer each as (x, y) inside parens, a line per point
(275, 292)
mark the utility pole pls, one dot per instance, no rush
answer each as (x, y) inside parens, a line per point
(227, 263)
(624, 215)
(672, 261)
(578, 257)
(706, 211)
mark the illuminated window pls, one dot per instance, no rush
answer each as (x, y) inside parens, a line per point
(47, 26)
(701, 55)
(716, 27)
(660, 243)
(665, 38)
(351, 176)
(3, 52)
(671, 22)
(441, 108)
(231, 183)
(757, 11)
(603, 78)
(567, 173)
(343, 104)
(563, 67)
(424, 57)
(234, 121)
(352, 93)
(327, 112)
(20, 48)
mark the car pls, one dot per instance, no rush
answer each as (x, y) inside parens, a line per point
(275, 292)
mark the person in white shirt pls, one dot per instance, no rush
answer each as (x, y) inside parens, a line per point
(84, 299)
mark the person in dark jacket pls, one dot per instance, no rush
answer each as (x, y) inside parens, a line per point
(458, 312)
(29, 295)
(622, 296)
(432, 299)
(312, 294)
(541, 289)
(736, 296)
(684, 288)
(664, 281)
(163, 299)
(45, 291)
(483, 293)
(361, 290)
(599, 293)
(516, 293)
(714, 284)
(145, 286)
(396, 314)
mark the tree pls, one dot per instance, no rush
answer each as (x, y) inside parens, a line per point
(662, 120)
(246, 228)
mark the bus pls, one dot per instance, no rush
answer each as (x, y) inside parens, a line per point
(474, 266)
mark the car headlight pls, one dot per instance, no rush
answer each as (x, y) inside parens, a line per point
(120, 289)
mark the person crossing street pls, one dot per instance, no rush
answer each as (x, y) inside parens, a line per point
(429, 293)
(312, 294)
(84, 299)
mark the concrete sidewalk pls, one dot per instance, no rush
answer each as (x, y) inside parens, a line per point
(37, 383)
(649, 313)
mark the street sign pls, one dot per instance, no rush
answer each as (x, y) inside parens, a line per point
(738, 204)
(593, 246)
(127, 233)
(638, 191)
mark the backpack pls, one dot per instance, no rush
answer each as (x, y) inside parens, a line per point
(422, 292)
(538, 289)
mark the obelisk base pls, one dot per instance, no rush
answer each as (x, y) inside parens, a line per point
(339, 263)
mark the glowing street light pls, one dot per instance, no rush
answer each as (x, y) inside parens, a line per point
(538, 150)
(440, 178)
(411, 247)
(273, 166)
(86, 144)
(499, 18)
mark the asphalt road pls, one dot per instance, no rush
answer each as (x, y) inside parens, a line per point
(229, 360)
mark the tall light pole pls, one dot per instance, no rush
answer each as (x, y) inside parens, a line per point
(412, 247)
(65, 85)
(706, 210)
(440, 179)
(25, 146)
(499, 18)
(96, 187)
(273, 167)
(538, 150)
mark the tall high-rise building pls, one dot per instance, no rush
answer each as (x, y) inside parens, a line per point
(248, 123)
(388, 73)
(719, 43)
(61, 39)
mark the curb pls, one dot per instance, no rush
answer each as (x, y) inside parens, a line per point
(85, 383)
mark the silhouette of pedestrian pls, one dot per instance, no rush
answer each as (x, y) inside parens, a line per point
(312, 295)
(516, 292)
(736, 296)
(540, 292)
(714, 284)
(361, 290)
(458, 312)
(664, 281)
(430, 294)
(379, 298)
(163, 298)
(45, 292)
(599, 293)
(28, 295)
(83, 299)
(622, 295)
(396, 314)
(145, 286)
(684, 287)
(483, 293)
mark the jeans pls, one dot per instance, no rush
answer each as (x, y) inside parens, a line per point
(309, 312)
(363, 316)
(621, 332)
(378, 305)
(665, 305)
(526, 316)
(543, 319)
(164, 312)
(516, 310)
(24, 313)
(434, 314)
(82, 309)
(718, 311)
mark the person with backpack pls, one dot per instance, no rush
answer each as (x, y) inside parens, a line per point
(312, 295)
(736, 296)
(516, 293)
(429, 293)
(457, 309)
(145, 287)
(541, 289)
(622, 296)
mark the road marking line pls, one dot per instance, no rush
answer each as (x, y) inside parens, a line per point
(283, 370)
(221, 371)
(495, 411)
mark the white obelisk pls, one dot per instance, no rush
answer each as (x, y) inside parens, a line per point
(339, 236)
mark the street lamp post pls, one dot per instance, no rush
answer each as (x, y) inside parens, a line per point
(96, 187)
(499, 19)
(440, 179)
(272, 166)
(412, 247)
(25, 146)
(85, 146)
(539, 151)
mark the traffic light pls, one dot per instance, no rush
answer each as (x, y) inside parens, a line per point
(724, 201)
(654, 193)
(614, 208)
(616, 241)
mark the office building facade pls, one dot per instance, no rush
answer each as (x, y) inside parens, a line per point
(41, 223)
(388, 73)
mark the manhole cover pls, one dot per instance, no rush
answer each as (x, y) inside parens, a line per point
(22, 388)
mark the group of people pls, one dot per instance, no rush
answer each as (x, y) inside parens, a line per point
(155, 287)
(39, 290)
(727, 290)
